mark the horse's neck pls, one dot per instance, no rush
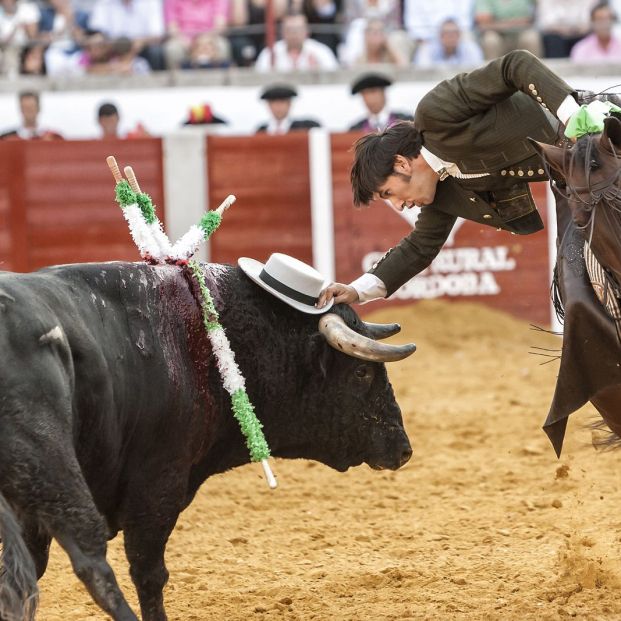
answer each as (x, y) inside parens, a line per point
(605, 240)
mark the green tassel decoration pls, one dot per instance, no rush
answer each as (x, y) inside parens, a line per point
(124, 194)
(146, 206)
(210, 223)
(250, 426)
(211, 319)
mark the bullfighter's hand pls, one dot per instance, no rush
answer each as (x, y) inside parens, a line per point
(342, 294)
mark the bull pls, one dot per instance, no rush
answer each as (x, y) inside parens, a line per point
(112, 412)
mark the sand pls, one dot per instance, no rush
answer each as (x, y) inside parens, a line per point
(483, 523)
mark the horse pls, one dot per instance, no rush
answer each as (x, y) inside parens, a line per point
(587, 184)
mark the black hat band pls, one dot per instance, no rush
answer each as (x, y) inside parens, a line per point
(285, 290)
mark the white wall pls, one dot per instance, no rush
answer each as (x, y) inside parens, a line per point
(163, 110)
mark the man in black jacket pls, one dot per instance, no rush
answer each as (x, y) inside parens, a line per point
(466, 154)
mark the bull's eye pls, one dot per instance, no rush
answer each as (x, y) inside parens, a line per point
(364, 371)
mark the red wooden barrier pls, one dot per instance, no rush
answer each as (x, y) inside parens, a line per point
(60, 197)
(57, 206)
(269, 175)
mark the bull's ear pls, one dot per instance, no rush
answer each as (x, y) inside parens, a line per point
(611, 136)
(557, 157)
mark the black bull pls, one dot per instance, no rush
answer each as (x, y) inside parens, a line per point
(113, 413)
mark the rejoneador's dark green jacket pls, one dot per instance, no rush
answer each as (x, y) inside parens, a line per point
(481, 121)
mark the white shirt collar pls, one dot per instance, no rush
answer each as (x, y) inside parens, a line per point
(434, 161)
(380, 120)
(274, 127)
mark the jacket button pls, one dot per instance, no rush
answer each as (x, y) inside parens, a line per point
(512, 172)
(541, 171)
(531, 87)
(487, 216)
(539, 99)
(520, 173)
(534, 91)
(503, 172)
(530, 172)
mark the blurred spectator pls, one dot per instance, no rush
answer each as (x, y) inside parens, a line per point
(278, 98)
(208, 51)
(295, 51)
(448, 49)
(124, 60)
(372, 88)
(186, 19)
(601, 45)
(388, 11)
(562, 25)
(324, 19)
(422, 18)
(82, 10)
(94, 57)
(32, 59)
(29, 107)
(58, 25)
(99, 56)
(19, 24)
(504, 26)
(375, 44)
(108, 119)
(247, 37)
(141, 21)
(202, 114)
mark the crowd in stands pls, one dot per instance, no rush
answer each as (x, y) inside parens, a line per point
(124, 37)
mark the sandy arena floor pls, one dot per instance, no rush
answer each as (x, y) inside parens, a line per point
(483, 523)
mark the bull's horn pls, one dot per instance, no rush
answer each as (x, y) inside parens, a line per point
(340, 336)
(379, 331)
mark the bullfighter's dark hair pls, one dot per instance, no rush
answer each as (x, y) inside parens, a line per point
(374, 158)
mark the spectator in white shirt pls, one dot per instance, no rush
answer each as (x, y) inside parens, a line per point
(562, 24)
(141, 21)
(295, 51)
(19, 23)
(448, 49)
(422, 18)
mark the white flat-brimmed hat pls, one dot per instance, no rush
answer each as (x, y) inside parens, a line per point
(295, 283)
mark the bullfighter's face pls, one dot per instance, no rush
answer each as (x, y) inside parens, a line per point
(413, 182)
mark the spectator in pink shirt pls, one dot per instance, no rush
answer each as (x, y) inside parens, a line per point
(186, 19)
(601, 45)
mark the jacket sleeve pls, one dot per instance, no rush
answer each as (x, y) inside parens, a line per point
(469, 94)
(415, 251)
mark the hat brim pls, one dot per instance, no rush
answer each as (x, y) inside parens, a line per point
(252, 268)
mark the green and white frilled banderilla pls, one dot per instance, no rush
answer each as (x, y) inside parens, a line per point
(154, 246)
